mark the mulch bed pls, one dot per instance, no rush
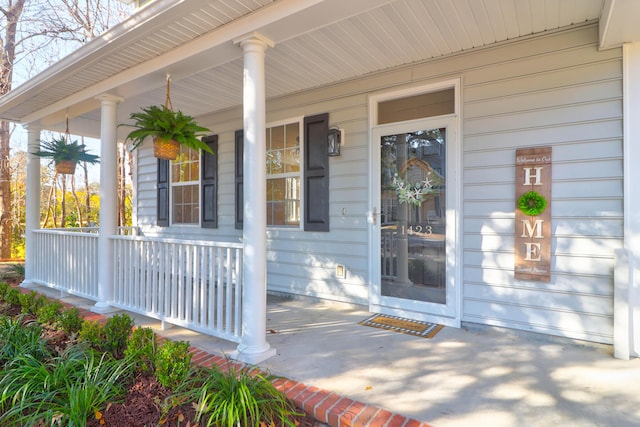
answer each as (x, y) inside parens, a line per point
(142, 408)
(142, 404)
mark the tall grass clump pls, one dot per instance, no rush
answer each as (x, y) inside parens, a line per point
(18, 339)
(241, 396)
(63, 391)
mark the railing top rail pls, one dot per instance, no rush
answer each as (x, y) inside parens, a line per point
(235, 245)
(124, 229)
(65, 232)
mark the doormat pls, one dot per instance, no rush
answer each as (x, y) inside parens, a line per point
(406, 326)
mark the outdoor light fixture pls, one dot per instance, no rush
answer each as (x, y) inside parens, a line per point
(333, 141)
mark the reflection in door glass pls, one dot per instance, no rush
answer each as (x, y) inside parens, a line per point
(413, 215)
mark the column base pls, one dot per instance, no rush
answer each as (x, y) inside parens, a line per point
(103, 308)
(252, 356)
(28, 284)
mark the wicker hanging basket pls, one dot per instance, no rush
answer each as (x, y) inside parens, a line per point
(67, 167)
(166, 149)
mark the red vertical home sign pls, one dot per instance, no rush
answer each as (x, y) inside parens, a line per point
(533, 214)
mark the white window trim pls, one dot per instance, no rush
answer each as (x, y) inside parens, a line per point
(172, 185)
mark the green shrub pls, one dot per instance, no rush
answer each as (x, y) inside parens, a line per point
(70, 320)
(141, 349)
(31, 302)
(49, 312)
(116, 334)
(13, 296)
(172, 363)
(4, 288)
(92, 333)
(241, 396)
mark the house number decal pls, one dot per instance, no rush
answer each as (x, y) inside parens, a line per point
(533, 214)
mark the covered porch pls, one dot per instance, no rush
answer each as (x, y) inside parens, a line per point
(226, 62)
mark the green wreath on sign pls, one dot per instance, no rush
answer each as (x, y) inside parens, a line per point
(532, 203)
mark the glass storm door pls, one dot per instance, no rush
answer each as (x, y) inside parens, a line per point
(414, 223)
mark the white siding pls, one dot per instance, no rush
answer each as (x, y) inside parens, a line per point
(568, 96)
(554, 90)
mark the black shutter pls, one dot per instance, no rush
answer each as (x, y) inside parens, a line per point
(163, 193)
(316, 173)
(209, 183)
(239, 182)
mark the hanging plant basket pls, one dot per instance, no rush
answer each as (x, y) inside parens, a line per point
(67, 167)
(65, 153)
(166, 126)
(166, 149)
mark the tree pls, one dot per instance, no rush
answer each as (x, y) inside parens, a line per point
(40, 32)
(12, 15)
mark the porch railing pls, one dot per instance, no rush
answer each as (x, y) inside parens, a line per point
(194, 284)
(67, 260)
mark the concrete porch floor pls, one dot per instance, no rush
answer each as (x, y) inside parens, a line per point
(473, 376)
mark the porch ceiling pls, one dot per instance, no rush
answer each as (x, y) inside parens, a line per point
(317, 42)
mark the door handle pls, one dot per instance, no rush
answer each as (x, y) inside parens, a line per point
(374, 216)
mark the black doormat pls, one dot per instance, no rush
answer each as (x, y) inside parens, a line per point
(406, 326)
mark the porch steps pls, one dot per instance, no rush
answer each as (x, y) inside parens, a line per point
(327, 407)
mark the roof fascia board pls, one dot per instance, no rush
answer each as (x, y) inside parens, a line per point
(110, 40)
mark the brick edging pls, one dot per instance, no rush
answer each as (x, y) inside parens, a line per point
(325, 406)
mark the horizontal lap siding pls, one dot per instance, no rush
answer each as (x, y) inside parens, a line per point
(568, 96)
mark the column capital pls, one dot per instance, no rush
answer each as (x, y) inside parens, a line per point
(32, 127)
(107, 97)
(254, 38)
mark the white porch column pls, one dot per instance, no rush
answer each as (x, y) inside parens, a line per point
(108, 199)
(626, 332)
(254, 347)
(32, 201)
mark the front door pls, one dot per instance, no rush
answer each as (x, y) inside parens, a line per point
(414, 220)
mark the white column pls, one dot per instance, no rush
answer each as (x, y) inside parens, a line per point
(108, 199)
(32, 201)
(629, 340)
(254, 347)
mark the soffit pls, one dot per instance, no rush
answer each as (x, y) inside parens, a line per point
(317, 42)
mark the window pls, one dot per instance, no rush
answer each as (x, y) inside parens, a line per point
(291, 171)
(185, 187)
(283, 175)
